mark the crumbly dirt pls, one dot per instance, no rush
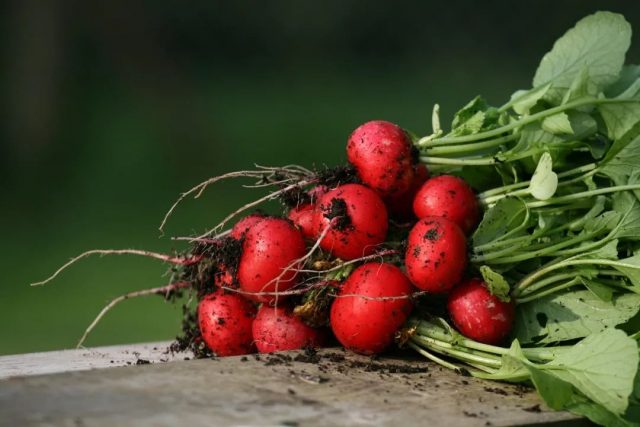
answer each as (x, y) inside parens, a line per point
(337, 175)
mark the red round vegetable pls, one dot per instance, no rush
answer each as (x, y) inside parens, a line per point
(436, 254)
(449, 197)
(278, 329)
(381, 152)
(225, 321)
(401, 206)
(316, 192)
(303, 217)
(361, 319)
(357, 221)
(241, 227)
(270, 247)
(479, 315)
(223, 276)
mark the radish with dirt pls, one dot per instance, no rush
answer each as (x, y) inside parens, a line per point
(381, 152)
(372, 305)
(478, 314)
(268, 263)
(354, 219)
(225, 321)
(436, 254)
(279, 329)
(449, 197)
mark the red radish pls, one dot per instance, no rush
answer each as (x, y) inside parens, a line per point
(449, 197)
(436, 254)
(223, 276)
(381, 152)
(270, 246)
(277, 329)
(357, 221)
(303, 218)
(240, 229)
(401, 206)
(479, 315)
(225, 321)
(316, 192)
(361, 318)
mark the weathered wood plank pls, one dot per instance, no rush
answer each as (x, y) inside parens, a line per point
(83, 359)
(333, 388)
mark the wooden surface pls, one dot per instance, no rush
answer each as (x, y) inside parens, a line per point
(51, 362)
(332, 388)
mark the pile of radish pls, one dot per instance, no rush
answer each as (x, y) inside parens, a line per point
(507, 248)
(252, 305)
(350, 222)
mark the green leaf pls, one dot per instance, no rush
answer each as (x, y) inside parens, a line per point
(534, 138)
(605, 221)
(580, 405)
(628, 207)
(477, 115)
(557, 124)
(504, 216)
(620, 118)
(628, 76)
(581, 87)
(513, 364)
(554, 391)
(622, 157)
(600, 290)
(629, 138)
(583, 124)
(496, 283)
(544, 181)
(523, 100)
(472, 125)
(597, 43)
(602, 367)
(571, 315)
(608, 251)
(477, 104)
(435, 119)
(631, 268)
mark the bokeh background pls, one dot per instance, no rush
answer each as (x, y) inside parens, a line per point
(111, 109)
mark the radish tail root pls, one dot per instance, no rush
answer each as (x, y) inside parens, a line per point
(162, 290)
(163, 257)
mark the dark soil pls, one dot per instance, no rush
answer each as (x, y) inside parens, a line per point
(337, 175)
(338, 210)
(295, 197)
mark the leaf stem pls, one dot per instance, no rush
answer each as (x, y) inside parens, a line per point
(549, 291)
(465, 148)
(583, 194)
(530, 279)
(517, 185)
(521, 122)
(458, 162)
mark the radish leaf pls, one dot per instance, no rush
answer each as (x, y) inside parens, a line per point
(597, 43)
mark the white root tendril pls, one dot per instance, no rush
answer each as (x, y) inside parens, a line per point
(163, 257)
(268, 197)
(162, 290)
(291, 172)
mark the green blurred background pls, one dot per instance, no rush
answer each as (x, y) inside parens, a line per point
(111, 109)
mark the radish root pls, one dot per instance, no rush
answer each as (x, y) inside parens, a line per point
(289, 172)
(162, 290)
(163, 257)
(271, 196)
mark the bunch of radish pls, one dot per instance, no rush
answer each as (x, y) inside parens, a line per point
(397, 247)
(329, 268)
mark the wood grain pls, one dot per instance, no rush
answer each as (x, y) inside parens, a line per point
(338, 388)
